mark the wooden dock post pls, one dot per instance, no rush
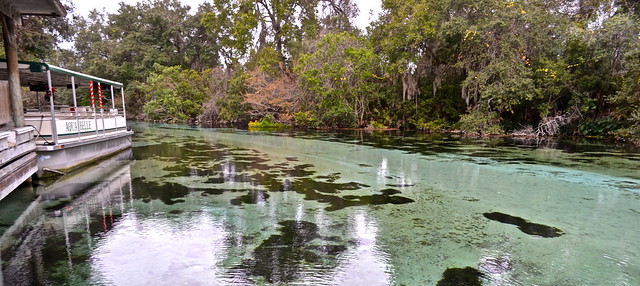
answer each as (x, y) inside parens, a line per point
(11, 50)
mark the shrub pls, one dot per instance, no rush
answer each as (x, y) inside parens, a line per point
(599, 127)
(339, 116)
(482, 122)
(433, 125)
(376, 125)
(633, 131)
(267, 122)
(305, 119)
(175, 95)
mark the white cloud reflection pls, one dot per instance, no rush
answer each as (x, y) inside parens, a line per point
(158, 252)
(365, 263)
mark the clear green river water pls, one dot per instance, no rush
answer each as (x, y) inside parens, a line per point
(197, 206)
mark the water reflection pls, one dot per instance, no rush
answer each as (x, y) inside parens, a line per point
(183, 251)
(596, 156)
(366, 263)
(285, 256)
(51, 241)
(229, 172)
(227, 207)
(497, 265)
(383, 172)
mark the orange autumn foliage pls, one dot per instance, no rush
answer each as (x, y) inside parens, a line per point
(271, 95)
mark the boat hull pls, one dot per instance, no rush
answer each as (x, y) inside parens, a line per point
(68, 156)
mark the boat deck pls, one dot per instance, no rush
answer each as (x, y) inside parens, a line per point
(44, 144)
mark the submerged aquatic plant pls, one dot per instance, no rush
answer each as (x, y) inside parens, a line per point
(467, 276)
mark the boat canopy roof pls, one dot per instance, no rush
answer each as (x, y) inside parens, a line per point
(35, 73)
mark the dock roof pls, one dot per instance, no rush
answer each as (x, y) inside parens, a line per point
(16, 8)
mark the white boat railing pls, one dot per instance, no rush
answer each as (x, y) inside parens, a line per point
(63, 122)
(82, 123)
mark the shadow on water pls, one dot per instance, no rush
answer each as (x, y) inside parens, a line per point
(524, 225)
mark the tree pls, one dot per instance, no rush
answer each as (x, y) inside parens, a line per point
(501, 52)
(279, 24)
(232, 22)
(175, 95)
(272, 96)
(487, 64)
(339, 80)
(419, 42)
(232, 106)
(126, 45)
(38, 37)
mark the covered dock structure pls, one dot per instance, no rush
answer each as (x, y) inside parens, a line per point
(17, 145)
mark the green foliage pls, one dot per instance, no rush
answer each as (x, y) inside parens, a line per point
(232, 23)
(423, 63)
(600, 127)
(175, 95)
(632, 132)
(500, 50)
(268, 60)
(267, 122)
(336, 115)
(383, 117)
(232, 106)
(126, 45)
(481, 122)
(38, 37)
(627, 99)
(305, 119)
(281, 26)
(433, 125)
(523, 60)
(136, 97)
(376, 125)
(339, 80)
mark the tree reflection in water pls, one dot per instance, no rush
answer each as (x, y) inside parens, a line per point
(282, 258)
